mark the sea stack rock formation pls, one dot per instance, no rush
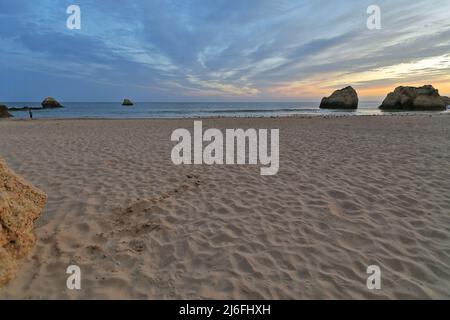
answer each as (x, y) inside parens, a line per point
(446, 101)
(50, 102)
(4, 112)
(127, 102)
(414, 98)
(20, 205)
(346, 98)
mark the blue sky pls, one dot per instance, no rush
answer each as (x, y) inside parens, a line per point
(214, 50)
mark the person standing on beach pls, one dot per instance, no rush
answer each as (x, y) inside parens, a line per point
(30, 113)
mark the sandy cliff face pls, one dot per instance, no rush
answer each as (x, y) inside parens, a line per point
(20, 205)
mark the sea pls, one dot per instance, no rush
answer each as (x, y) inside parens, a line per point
(140, 110)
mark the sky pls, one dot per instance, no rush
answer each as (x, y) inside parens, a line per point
(220, 50)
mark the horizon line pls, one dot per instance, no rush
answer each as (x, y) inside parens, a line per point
(194, 101)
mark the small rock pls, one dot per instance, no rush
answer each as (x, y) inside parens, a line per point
(50, 102)
(127, 102)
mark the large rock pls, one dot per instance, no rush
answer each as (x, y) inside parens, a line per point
(20, 205)
(346, 98)
(4, 112)
(446, 100)
(414, 98)
(50, 102)
(127, 102)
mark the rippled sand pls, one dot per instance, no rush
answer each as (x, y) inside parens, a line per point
(351, 192)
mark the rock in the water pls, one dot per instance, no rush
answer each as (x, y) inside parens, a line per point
(446, 100)
(414, 98)
(20, 205)
(24, 108)
(50, 102)
(346, 98)
(127, 102)
(4, 112)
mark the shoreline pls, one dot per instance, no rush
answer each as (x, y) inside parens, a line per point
(300, 116)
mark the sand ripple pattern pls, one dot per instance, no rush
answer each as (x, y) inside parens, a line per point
(351, 192)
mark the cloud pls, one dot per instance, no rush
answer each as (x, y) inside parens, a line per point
(221, 49)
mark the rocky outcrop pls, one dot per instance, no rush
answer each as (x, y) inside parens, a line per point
(24, 108)
(50, 102)
(20, 205)
(127, 102)
(346, 98)
(446, 100)
(4, 112)
(414, 98)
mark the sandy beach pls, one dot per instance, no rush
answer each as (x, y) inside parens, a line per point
(350, 192)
